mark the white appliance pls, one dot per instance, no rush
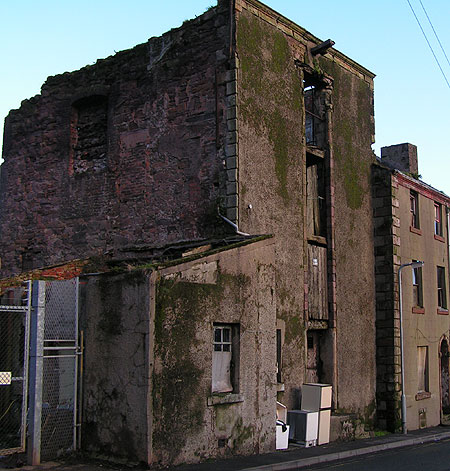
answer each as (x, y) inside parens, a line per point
(317, 397)
(282, 431)
(304, 426)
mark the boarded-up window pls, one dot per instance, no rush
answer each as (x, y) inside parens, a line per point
(315, 205)
(317, 282)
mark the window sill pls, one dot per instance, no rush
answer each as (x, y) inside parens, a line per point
(416, 230)
(423, 395)
(442, 312)
(418, 310)
(439, 238)
(226, 398)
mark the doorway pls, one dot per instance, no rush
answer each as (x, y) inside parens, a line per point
(444, 371)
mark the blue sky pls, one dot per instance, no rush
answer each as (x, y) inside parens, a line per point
(39, 38)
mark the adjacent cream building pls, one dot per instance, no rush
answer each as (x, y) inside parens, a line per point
(411, 225)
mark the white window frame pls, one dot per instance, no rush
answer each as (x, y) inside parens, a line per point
(222, 358)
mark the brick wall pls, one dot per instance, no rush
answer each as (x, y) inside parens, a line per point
(120, 154)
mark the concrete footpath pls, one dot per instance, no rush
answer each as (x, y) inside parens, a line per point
(293, 458)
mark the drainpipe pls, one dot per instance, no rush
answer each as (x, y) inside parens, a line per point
(412, 265)
(235, 226)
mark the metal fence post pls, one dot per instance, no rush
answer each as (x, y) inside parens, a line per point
(36, 371)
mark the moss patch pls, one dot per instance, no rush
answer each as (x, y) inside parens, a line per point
(352, 99)
(271, 93)
(179, 389)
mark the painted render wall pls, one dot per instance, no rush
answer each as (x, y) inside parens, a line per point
(430, 327)
(148, 359)
(115, 318)
(151, 169)
(397, 243)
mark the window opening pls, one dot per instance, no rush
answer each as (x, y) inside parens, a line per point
(417, 286)
(414, 200)
(441, 291)
(279, 358)
(314, 113)
(438, 219)
(89, 134)
(422, 369)
(225, 358)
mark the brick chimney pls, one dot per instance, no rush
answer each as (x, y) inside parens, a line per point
(403, 157)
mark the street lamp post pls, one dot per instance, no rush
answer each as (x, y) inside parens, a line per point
(412, 265)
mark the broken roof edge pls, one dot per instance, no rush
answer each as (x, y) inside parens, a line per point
(99, 265)
(158, 265)
(279, 18)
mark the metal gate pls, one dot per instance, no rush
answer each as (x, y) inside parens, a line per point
(54, 369)
(15, 307)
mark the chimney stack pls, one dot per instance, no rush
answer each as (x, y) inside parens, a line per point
(403, 157)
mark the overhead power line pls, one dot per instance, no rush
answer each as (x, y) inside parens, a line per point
(434, 31)
(428, 42)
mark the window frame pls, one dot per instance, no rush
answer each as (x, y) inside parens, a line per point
(417, 286)
(423, 370)
(441, 289)
(414, 209)
(229, 345)
(438, 219)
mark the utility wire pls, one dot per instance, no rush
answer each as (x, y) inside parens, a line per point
(428, 42)
(434, 31)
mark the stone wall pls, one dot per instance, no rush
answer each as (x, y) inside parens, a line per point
(120, 154)
(387, 262)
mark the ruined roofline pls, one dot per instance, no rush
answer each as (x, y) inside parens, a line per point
(289, 27)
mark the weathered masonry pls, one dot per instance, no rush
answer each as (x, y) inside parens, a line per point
(241, 123)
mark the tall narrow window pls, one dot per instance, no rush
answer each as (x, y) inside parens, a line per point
(417, 287)
(279, 358)
(438, 219)
(422, 369)
(441, 291)
(414, 200)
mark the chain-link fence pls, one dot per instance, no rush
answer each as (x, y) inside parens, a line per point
(14, 331)
(59, 394)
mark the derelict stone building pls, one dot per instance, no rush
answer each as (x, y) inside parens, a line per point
(240, 114)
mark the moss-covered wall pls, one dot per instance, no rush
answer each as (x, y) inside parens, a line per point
(235, 288)
(272, 189)
(270, 116)
(352, 131)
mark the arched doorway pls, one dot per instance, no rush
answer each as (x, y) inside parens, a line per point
(445, 390)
